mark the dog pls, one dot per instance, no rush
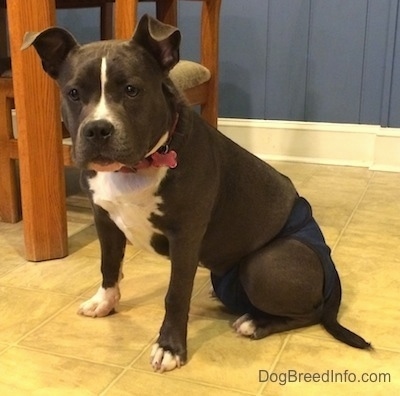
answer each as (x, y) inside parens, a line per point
(159, 176)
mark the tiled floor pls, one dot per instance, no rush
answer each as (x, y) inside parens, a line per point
(46, 349)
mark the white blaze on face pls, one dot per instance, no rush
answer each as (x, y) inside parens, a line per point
(102, 111)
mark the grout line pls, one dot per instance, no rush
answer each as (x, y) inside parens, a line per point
(352, 214)
(129, 366)
(37, 289)
(7, 346)
(275, 362)
(206, 284)
(197, 382)
(114, 381)
(65, 356)
(45, 321)
(8, 272)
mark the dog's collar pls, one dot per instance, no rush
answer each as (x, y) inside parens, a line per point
(160, 155)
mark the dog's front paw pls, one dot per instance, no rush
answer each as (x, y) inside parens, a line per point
(164, 360)
(102, 303)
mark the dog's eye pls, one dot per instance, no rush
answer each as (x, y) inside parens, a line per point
(131, 91)
(74, 94)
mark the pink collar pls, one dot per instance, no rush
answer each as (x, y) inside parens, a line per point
(159, 156)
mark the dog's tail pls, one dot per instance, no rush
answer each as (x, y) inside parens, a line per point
(333, 327)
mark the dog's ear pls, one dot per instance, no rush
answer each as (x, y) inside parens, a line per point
(160, 39)
(53, 46)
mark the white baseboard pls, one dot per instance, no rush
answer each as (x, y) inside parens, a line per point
(368, 146)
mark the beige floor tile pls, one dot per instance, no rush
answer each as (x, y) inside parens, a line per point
(391, 179)
(331, 220)
(297, 172)
(58, 352)
(23, 310)
(382, 202)
(326, 197)
(379, 229)
(368, 272)
(146, 279)
(71, 275)
(86, 243)
(336, 187)
(343, 173)
(10, 260)
(211, 307)
(335, 366)
(373, 318)
(11, 240)
(139, 383)
(368, 257)
(83, 239)
(116, 339)
(217, 356)
(75, 225)
(27, 372)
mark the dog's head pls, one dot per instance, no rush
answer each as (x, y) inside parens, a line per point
(117, 99)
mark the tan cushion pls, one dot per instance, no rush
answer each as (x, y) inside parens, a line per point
(188, 74)
(7, 73)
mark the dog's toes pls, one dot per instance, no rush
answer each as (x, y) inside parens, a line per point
(95, 309)
(101, 304)
(162, 360)
(245, 326)
(244, 318)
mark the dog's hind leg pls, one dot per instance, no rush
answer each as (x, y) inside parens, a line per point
(284, 283)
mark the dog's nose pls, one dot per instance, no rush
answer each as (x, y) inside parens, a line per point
(98, 131)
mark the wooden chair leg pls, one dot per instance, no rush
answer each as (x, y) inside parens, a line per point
(209, 56)
(167, 11)
(209, 111)
(10, 209)
(39, 136)
(106, 21)
(125, 14)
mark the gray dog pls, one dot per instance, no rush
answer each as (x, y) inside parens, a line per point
(158, 175)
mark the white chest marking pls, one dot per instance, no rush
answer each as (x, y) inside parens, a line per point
(130, 199)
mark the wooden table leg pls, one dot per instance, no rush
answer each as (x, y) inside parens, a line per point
(39, 136)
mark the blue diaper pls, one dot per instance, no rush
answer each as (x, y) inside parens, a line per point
(301, 226)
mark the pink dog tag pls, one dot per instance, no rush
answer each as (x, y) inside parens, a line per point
(168, 159)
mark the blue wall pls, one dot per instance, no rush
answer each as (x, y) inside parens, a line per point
(311, 60)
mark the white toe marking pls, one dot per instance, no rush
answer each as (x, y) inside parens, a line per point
(162, 360)
(247, 328)
(102, 303)
(240, 320)
(153, 352)
(169, 362)
(244, 325)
